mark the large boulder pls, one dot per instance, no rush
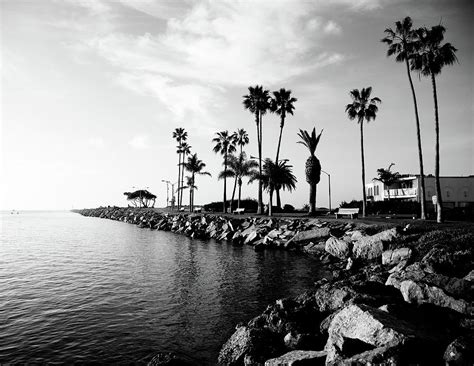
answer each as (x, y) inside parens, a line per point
(360, 328)
(311, 235)
(295, 358)
(391, 257)
(418, 286)
(447, 261)
(338, 248)
(259, 344)
(371, 247)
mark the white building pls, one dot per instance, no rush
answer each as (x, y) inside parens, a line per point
(455, 191)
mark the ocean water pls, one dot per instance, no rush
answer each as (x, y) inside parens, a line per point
(76, 289)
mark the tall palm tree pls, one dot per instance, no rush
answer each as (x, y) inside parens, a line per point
(402, 43)
(282, 104)
(185, 151)
(429, 60)
(276, 175)
(362, 108)
(180, 135)
(257, 102)
(195, 166)
(224, 144)
(312, 166)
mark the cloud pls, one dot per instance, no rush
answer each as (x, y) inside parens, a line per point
(332, 27)
(140, 142)
(97, 142)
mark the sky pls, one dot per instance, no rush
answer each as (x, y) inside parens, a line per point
(91, 91)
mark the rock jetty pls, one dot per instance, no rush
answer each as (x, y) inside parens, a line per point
(399, 295)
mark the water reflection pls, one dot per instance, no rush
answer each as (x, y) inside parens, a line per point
(75, 289)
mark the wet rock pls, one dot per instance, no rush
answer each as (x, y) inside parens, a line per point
(470, 276)
(338, 248)
(391, 257)
(312, 248)
(252, 237)
(295, 358)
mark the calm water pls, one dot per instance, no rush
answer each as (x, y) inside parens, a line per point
(75, 289)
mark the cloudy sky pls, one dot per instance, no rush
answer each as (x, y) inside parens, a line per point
(91, 91)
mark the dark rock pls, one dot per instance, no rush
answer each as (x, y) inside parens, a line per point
(460, 352)
(444, 260)
(167, 359)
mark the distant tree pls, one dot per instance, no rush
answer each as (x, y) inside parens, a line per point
(185, 150)
(195, 166)
(141, 198)
(257, 102)
(387, 177)
(191, 186)
(362, 108)
(282, 104)
(225, 145)
(312, 166)
(239, 167)
(403, 43)
(429, 60)
(276, 175)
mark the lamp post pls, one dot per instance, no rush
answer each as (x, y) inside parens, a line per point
(329, 181)
(167, 191)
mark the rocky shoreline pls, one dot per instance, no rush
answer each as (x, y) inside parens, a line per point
(399, 294)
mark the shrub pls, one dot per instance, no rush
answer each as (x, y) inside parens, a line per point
(288, 208)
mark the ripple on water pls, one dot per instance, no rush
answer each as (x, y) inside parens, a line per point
(84, 290)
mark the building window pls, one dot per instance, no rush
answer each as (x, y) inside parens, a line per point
(447, 194)
(465, 194)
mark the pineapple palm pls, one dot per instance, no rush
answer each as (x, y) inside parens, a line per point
(312, 166)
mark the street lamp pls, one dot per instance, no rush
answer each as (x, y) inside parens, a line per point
(167, 191)
(329, 180)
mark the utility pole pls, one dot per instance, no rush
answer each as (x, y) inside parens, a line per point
(329, 181)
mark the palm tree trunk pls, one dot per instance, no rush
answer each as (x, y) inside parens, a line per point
(364, 197)
(179, 177)
(260, 187)
(270, 203)
(282, 123)
(224, 203)
(312, 199)
(439, 204)
(233, 194)
(421, 189)
(182, 177)
(240, 191)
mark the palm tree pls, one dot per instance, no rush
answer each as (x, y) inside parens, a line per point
(429, 60)
(402, 42)
(281, 104)
(191, 186)
(180, 135)
(224, 144)
(387, 177)
(185, 151)
(276, 175)
(241, 138)
(312, 166)
(257, 102)
(239, 167)
(195, 166)
(362, 108)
